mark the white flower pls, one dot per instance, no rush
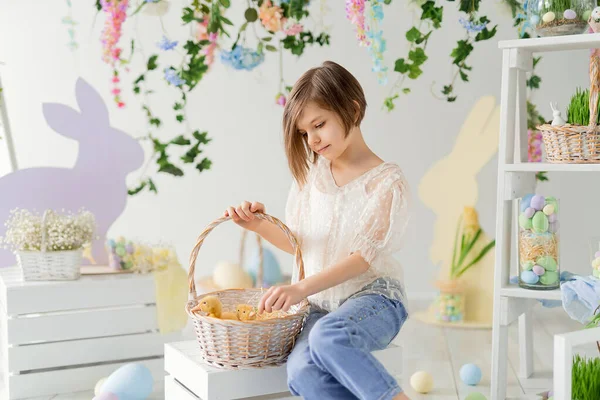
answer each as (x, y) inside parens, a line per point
(60, 231)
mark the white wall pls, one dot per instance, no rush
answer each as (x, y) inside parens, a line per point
(238, 111)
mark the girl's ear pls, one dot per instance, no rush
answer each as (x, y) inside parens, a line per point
(356, 111)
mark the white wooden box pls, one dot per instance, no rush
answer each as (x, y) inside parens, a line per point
(63, 336)
(190, 379)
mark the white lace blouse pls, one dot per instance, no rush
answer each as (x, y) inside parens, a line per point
(367, 215)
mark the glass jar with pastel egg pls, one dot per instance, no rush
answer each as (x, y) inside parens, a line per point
(559, 17)
(538, 243)
(595, 256)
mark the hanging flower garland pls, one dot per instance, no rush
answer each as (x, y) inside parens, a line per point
(282, 26)
(68, 20)
(116, 13)
(366, 17)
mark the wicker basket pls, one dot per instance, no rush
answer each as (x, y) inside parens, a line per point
(50, 265)
(231, 344)
(576, 144)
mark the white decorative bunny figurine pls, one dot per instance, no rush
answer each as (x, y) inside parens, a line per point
(558, 120)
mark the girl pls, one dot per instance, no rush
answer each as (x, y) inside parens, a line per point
(348, 210)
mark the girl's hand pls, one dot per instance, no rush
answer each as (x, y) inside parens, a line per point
(243, 215)
(280, 298)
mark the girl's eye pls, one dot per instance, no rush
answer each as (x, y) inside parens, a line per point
(304, 134)
(320, 125)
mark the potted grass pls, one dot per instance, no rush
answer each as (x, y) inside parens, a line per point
(559, 17)
(466, 253)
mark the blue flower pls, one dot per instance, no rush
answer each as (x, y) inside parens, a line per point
(470, 26)
(165, 44)
(242, 58)
(173, 78)
(151, 1)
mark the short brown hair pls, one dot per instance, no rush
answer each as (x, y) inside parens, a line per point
(333, 88)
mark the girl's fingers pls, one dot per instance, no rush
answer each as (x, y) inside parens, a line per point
(246, 209)
(242, 214)
(257, 207)
(233, 214)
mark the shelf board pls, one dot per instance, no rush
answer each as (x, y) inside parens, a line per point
(556, 43)
(536, 167)
(516, 291)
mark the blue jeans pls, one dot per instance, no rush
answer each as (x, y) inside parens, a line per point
(332, 357)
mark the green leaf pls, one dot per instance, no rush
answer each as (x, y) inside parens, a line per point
(151, 64)
(266, 39)
(179, 117)
(259, 48)
(251, 15)
(136, 89)
(98, 5)
(415, 72)
(461, 51)
(178, 106)
(424, 38)
(486, 34)
(406, 90)
(432, 13)
(192, 48)
(201, 137)
(226, 21)
(139, 79)
(387, 2)
(271, 48)
(417, 56)
(463, 76)
(534, 82)
(155, 121)
(139, 188)
(451, 99)
(181, 141)
(204, 165)
(413, 34)
(151, 186)
(389, 102)
(171, 169)
(189, 16)
(401, 66)
(536, 60)
(469, 6)
(447, 89)
(225, 3)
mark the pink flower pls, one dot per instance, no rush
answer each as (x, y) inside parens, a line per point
(116, 79)
(116, 91)
(280, 99)
(120, 104)
(534, 146)
(293, 29)
(271, 16)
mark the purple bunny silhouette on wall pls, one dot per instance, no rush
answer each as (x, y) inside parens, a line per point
(97, 180)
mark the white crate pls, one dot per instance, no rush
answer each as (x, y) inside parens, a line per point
(190, 379)
(63, 336)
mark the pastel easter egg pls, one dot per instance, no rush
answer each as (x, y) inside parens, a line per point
(106, 396)
(526, 202)
(596, 273)
(553, 227)
(538, 202)
(128, 265)
(131, 381)
(597, 254)
(548, 209)
(475, 396)
(549, 17)
(98, 387)
(535, 19)
(596, 263)
(529, 277)
(114, 263)
(529, 212)
(421, 382)
(111, 243)
(570, 14)
(470, 374)
(538, 270)
(549, 278)
(525, 222)
(552, 218)
(539, 222)
(120, 250)
(586, 15)
(548, 262)
(528, 265)
(552, 200)
(129, 249)
(120, 239)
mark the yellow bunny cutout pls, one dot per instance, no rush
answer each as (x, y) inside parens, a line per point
(449, 186)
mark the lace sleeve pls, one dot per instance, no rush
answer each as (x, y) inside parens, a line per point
(381, 226)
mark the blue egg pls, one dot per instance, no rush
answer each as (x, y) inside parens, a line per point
(470, 374)
(111, 243)
(529, 277)
(526, 201)
(130, 382)
(271, 269)
(535, 19)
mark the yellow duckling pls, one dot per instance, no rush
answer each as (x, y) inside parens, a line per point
(245, 312)
(214, 308)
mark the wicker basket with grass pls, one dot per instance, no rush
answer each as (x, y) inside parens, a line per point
(576, 142)
(232, 344)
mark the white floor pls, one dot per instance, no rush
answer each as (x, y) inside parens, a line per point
(442, 352)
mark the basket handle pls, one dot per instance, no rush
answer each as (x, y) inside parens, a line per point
(594, 90)
(259, 273)
(215, 223)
